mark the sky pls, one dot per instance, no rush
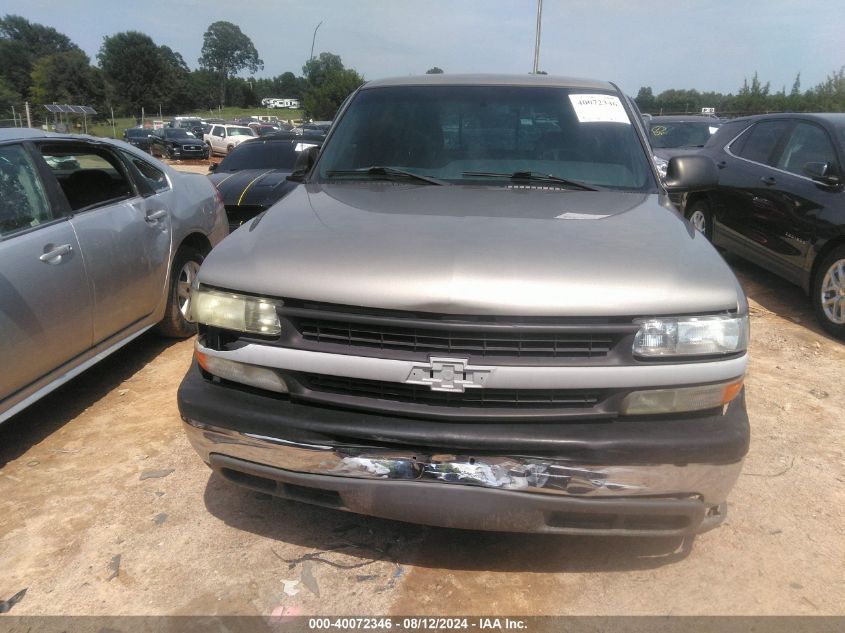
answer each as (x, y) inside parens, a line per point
(708, 45)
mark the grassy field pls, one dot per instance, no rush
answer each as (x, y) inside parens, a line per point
(120, 124)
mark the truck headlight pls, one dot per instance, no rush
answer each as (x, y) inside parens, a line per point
(232, 311)
(657, 401)
(691, 336)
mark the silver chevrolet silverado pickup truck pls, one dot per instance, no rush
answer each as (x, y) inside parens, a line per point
(479, 310)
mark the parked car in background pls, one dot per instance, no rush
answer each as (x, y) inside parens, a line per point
(222, 138)
(253, 176)
(264, 129)
(677, 135)
(466, 319)
(193, 125)
(139, 137)
(93, 253)
(177, 144)
(780, 202)
(318, 127)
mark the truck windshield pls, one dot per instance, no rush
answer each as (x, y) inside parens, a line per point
(455, 133)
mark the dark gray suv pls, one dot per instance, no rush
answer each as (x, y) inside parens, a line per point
(476, 312)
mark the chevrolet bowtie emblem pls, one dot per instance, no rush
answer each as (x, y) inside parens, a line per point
(448, 374)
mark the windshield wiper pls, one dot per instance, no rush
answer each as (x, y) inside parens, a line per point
(532, 176)
(390, 173)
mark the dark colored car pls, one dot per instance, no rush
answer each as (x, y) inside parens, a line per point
(253, 176)
(139, 137)
(177, 143)
(194, 126)
(780, 202)
(679, 134)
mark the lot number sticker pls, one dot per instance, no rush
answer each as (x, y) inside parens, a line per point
(599, 109)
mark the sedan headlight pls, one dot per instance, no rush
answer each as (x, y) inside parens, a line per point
(691, 336)
(232, 311)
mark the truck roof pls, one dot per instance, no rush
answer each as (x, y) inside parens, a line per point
(491, 80)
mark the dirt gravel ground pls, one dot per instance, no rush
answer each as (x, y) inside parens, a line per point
(106, 509)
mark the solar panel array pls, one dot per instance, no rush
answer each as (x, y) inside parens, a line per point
(70, 109)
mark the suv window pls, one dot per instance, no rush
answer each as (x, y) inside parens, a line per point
(808, 143)
(88, 176)
(759, 143)
(217, 130)
(23, 203)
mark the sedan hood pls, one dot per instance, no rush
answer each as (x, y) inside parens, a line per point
(477, 250)
(252, 187)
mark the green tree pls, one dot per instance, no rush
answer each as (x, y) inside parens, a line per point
(65, 78)
(22, 43)
(645, 100)
(136, 71)
(8, 97)
(329, 83)
(434, 70)
(226, 51)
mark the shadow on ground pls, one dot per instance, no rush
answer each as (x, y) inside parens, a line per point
(353, 541)
(35, 423)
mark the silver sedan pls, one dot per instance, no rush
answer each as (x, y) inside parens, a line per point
(98, 243)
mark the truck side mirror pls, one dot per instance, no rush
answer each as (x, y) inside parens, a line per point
(304, 162)
(690, 173)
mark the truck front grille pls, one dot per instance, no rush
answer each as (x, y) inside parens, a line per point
(475, 398)
(480, 339)
(476, 343)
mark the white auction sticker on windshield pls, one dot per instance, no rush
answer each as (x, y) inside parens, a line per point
(597, 108)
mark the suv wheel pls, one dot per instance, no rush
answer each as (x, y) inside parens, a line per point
(210, 149)
(183, 277)
(229, 149)
(829, 292)
(701, 218)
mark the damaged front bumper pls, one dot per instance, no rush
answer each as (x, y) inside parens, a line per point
(543, 495)
(638, 477)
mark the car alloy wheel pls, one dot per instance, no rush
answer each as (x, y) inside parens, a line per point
(833, 292)
(185, 285)
(699, 221)
(700, 217)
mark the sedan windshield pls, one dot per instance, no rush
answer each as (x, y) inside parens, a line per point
(490, 135)
(680, 133)
(263, 155)
(137, 133)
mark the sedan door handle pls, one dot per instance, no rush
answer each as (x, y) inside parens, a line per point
(155, 216)
(722, 164)
(55, 256)
(768, 180)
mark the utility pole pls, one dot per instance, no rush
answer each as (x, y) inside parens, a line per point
(313, 39)
(14, 117)
(537, 37)
(28, 116)
(113, 128)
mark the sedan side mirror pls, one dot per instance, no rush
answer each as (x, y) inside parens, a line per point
(690, 173)
(821, 173)
(304, 162)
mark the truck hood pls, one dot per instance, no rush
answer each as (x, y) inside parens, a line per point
(477, 250)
